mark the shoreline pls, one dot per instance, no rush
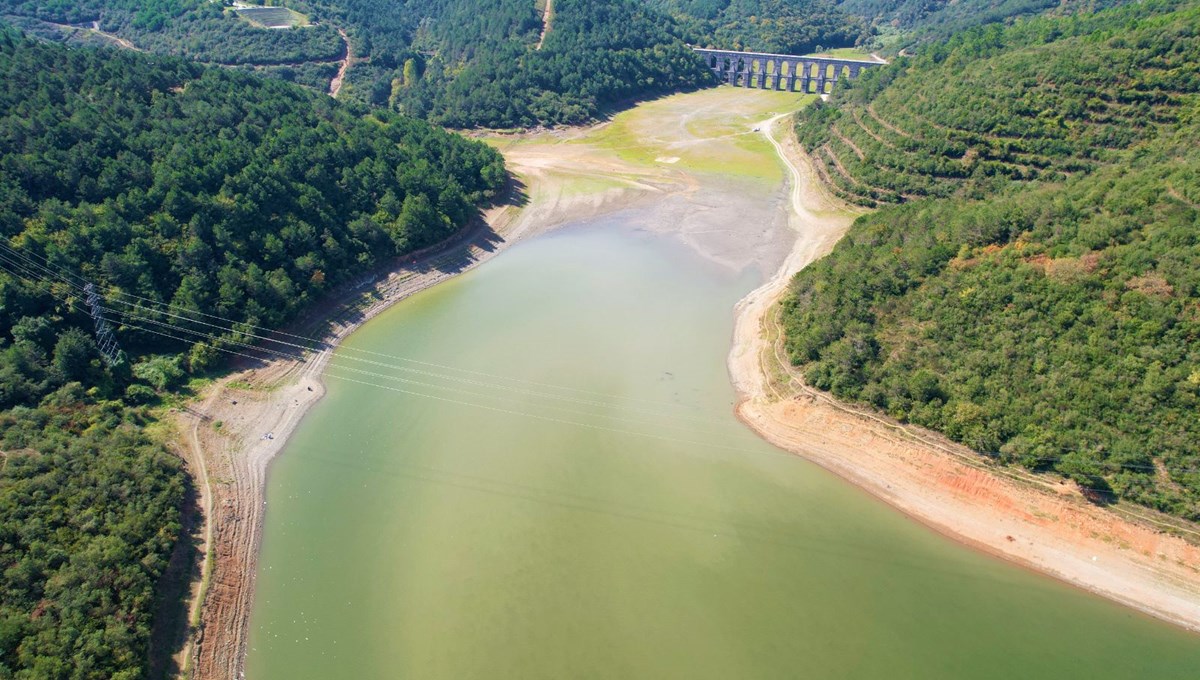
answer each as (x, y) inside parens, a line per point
(1033, 521)
(223, 435)
(234, 430)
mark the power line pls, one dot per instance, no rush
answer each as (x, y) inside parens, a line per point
(198, 335)
(105, 342)
(319, 345)
(285, 355)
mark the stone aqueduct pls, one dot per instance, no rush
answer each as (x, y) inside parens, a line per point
(781, 71)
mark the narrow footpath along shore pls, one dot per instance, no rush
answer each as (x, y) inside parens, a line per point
(1123, 554)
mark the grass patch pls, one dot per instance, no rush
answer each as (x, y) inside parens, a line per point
(711, 131)
(588, 186)
(844, 53)
(272, 17)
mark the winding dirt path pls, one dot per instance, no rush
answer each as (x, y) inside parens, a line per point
(335, 85)
(94, 28)
(547, 22)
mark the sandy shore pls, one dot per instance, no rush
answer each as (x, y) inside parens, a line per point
(1123, 554)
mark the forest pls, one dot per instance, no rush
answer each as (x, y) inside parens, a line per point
(465, 65)
(162, 182)
(777, 26)
(194, 29)
(458, 63)
(1033, 293)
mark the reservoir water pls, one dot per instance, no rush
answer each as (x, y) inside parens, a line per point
(534, 471)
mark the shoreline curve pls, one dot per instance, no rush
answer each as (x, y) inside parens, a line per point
(1033, 521)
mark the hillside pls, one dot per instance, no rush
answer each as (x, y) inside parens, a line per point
(470, 65)
(1039, 101)
(778, 26)
(458, 63)
(909, 23)
(193, 29)
(179, 191)
(1035, 295)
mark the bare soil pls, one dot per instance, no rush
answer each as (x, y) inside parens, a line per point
(335, 85)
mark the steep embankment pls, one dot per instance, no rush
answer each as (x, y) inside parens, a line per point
(1036, 298)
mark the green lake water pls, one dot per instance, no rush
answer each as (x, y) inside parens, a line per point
(534, 471)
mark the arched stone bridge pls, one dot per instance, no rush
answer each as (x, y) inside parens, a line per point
(781, 71)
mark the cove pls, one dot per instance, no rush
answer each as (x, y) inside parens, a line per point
(533, 471)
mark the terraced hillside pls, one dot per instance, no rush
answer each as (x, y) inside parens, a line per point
(1037, 294)
(1043, 101)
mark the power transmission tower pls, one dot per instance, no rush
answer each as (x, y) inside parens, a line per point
(105, 340)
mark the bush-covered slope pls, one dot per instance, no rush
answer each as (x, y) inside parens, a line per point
(921, 21)
(461, 63)
(89, 514)
(196, 29)
(1040, 101)
(1045, 309)
(210, 189)
(779, 26)
(474, 65)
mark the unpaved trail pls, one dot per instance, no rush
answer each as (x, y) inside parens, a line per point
(94, 28)
(196, 461)
(120, 41)
(547, 22)
(1123, 554)
(335, 85)
(820, 222)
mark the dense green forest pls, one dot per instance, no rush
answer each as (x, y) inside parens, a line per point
(195, 29)
(1036, 295)
(89, 513)
(163, 182)
(459, 63)
(907, 23)
(466, 64)
(779, 26)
